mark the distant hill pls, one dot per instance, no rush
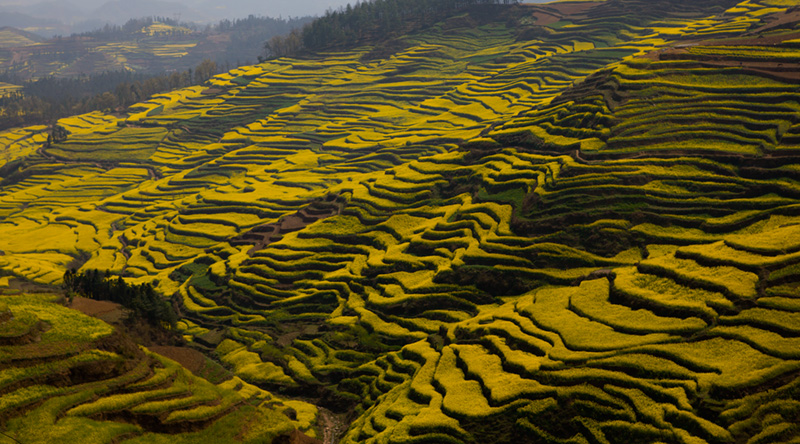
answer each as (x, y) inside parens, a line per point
(64, 12)
(141, 45)
(69, 375)
(20, 20)
(13, 37)
(120, 11)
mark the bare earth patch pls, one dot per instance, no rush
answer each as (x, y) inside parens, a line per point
(107, 311)
(552, 13)
(193, 360)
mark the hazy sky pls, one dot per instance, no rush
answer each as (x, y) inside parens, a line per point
(84, 15)
(281, 7)
(210, 8)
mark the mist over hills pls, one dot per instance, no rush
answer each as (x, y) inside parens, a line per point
(65, 12)
(49, 18)
(43, 27)
(119, 11)
(65, 17)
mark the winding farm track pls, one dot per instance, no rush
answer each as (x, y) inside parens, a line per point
(333, 426)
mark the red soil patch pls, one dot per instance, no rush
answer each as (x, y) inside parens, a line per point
(292, 223)
(545, 18)
(787, 72)
(552, 13)
(780, 20)
(193, 360)
(759, 40)
(573, 8)
(263, 235)
(107, 311)
(295, 437)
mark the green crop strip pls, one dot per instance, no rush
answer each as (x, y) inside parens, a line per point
(44, 376)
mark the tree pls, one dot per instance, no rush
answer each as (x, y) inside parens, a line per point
(142, 300)
(205, 70)
(370, 19)
(58, 134)
(106, 101)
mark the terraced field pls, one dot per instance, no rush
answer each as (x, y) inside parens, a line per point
(65, 376)
(8, 89)
(148, 50)
(12, 37)
(146, 46)
(574, 222)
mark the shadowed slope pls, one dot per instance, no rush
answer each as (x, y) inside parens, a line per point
(65, 376)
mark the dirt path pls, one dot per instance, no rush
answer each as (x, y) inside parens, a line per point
(333, 426)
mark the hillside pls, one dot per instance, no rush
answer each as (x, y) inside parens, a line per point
(8, 88)
(143, 45)
(68, 377)
(11, 37)
(573, 222)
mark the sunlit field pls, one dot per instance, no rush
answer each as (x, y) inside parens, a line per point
(585, 230)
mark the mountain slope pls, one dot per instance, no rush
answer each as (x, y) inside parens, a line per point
(11, 37)
(66, 376)
(141, 45)
(576, 222)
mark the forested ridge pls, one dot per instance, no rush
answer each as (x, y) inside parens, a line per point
(368, 21)
(136, 26)
(240, 29)
(51, 93)
(45, 100)
(141, 299)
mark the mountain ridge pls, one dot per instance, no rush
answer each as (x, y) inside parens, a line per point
(17, 37)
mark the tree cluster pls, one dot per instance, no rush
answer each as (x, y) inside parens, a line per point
(48, 99)
(133, 27)
(369, 20)
(253, 31)
(247, 28)
(142, 299)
